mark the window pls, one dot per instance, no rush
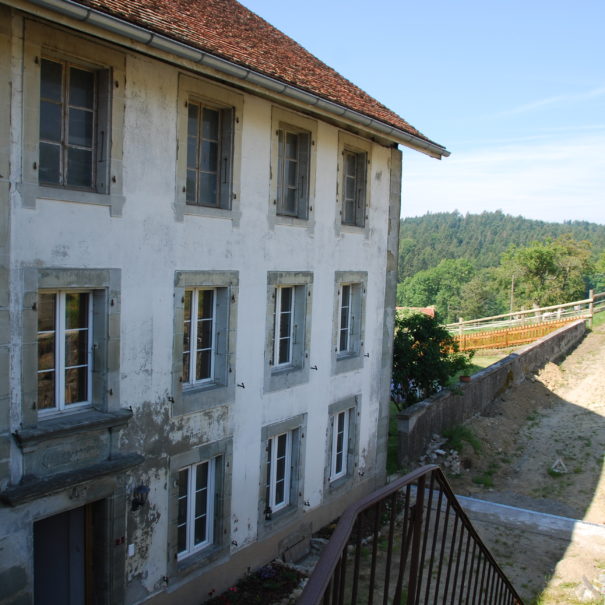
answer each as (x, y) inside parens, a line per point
(199, 336)
(69, 118)
(73, 142)
(283, 326)
(288, 329)
(293, 162)
(64, 350)
(204, 339)
(209, 150)
(293, 173)
(200, 505)
(349, 319)
(196, 506)
(282, 463)
(353, 185)
(354, 188)
(71, 341)
(340, 444)
(279, 468)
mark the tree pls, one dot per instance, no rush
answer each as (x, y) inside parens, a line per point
(439, 286)
(548, 272)
(425, 356)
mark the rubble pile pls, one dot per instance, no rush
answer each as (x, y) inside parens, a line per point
(448, 460)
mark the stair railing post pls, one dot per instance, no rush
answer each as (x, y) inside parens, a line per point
(418, 514)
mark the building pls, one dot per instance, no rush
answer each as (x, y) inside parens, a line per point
(198, 244)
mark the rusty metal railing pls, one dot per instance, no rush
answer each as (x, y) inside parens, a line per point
(408, 543)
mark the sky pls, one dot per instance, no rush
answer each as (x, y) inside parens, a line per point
(514, 89)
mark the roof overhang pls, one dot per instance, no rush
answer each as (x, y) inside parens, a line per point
(165, 44)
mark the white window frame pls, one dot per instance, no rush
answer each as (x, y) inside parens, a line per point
(343, 450)
(301, 163)
(351, 357)
(359, 178)
(61, 368)
(290, 333)
(190, 515)
(272, 479)
(193, 338)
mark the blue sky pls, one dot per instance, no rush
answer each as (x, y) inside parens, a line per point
(514, 89)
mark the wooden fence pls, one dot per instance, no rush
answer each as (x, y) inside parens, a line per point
(507, 337)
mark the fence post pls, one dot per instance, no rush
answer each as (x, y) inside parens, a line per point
(590, 307)
(417, 518)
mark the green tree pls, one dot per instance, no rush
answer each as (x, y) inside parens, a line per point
(482, 296)
(425, 356)
(548, 272)
(440, 286)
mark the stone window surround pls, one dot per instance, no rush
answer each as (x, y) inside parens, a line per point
(298, 372)
(219, 549)
(203, 396)
(352, 403)
(298, 426)
(281, 118)
(206, 92)
(52, 42)
(350, 142)
(105, 285)
(353, 361)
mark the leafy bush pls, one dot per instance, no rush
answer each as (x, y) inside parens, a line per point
(425, 355)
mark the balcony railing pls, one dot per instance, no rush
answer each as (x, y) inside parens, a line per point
(409, 542)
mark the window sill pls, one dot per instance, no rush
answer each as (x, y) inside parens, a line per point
(70, 424)
(201, 558)
(348, 363)
(31, 193)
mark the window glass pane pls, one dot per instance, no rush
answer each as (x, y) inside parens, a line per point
(79, 167)
(203, 365)
(201, 503)
(191, 186)
(186, 358)
(291, 173)
(46, 351)
(350, 164)
(182, 510)
(192, 152)
(284, 350)
(208, 189)
(76, 310)
(183, 480)
(200, 530)
(211, 121)
(46, 311)
(76, 385)
(50, 163)
(76, 348)
(80, 127)
(279, 492)
(350, 189)
(46, 390)
(50, 80)
(201, 476)
(204, 334)
(291, 145)
(206, 308)
(182, 538)
(192, 120)
(50, 121)
(209, 156)
(290, 201)
(286, 299)
(81, 88)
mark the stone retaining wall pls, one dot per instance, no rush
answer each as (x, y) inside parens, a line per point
(448, 408)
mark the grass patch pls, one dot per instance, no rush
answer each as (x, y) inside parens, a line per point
(457, 435)
(487, 478)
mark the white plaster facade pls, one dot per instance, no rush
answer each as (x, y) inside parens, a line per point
(146, 239)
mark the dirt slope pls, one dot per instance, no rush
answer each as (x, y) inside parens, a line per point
(542, 448)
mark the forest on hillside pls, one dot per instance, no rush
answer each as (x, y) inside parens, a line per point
(485, 264)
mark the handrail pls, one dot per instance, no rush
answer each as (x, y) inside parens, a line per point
(411, 509)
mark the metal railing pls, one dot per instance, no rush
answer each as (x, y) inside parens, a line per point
(408, 543)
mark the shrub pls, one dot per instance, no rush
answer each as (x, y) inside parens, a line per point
(425, 356)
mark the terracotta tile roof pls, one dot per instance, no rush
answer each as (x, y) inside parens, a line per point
(229, 30)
